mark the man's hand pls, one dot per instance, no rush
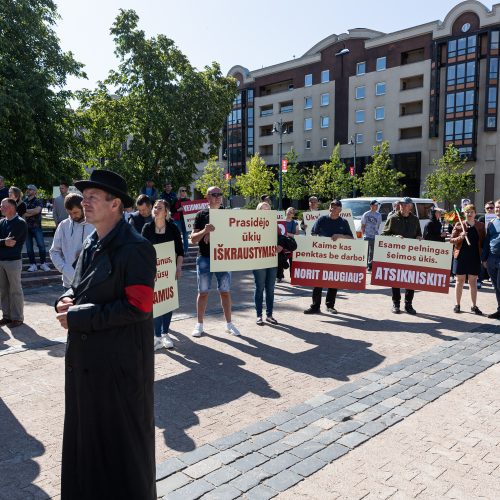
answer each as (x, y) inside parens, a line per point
(63, 319)
(178, 273)
(209, 228)
(10, 241)
(64, 304)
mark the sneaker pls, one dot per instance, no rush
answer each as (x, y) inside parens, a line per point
(198, 330)
(230, 328)
(456, 309)
(476, 310)
(271, 320)
(157, 343)
(44, 267)
(260, 322)
(33, 268)
(409, 309)
(495, 315)
(396, 309)
(331, 310)
(167, 341)
(312, 310)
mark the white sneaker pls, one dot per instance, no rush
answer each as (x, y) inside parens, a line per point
(230, 328)
(167, 341)
(158, 344)
(44, 267)
(198, 330)
(32, 269)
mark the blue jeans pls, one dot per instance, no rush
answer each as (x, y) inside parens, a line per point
(493, 264)
(204, 276)
(265, 279)
(162, 323)
(185, 240)
(37, 233)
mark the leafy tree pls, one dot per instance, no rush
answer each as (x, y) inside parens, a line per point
(379, 177)
(158, 105)
(213, 175)
(36, 124)
(258, 180)
(332, 179)
(450, 181)
(294, 181)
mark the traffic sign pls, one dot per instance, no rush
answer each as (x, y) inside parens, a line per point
(351, 170)
(284, 165)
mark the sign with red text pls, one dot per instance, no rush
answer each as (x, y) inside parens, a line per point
(413, 264)
(166, 296)
(243, 240)
(347, 215)
(309, 218)
(320, 261)
(190, 209)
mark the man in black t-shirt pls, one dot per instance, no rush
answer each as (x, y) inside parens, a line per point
(143, 214)
(201, 236)
(334, 227)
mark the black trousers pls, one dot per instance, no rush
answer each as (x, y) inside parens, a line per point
(396, 296)
(331, 295)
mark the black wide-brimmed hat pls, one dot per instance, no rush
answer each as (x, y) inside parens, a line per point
(108, 181)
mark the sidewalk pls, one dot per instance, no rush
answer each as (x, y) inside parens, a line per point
(211, 388)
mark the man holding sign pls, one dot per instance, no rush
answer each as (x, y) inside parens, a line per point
(336, 228)
(201, 236)
(403, 224)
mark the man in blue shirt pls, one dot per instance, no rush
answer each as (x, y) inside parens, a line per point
(491, 256)
(335, 227)
(370, 223)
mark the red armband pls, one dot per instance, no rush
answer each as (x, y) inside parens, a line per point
(140, 296)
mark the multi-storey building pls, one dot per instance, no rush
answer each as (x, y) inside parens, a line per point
(421, 89)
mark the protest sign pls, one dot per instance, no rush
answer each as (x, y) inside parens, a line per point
(243, 240)
(190, 209)
(281, 214)
(166, 296)
(412, 264)
(309, 218)
(347, 215)
(320, 261)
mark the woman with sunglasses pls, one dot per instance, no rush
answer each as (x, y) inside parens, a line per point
(178, 216)
(467, 243)
(160, 230)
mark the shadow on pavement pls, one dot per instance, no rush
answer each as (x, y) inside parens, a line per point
(29, 338)
(212, 379)
(17, 467)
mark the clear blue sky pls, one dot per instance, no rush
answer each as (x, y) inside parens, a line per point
(253, 34)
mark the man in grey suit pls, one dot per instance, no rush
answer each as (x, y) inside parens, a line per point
(59, 213)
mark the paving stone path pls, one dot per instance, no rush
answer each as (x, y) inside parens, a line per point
(273, 455)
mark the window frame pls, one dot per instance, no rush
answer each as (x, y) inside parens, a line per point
(306, 146)
(321, 123)
(383, 112)
(327, 72)
(376, 88)
(356, 116)
(308, 77)
(305, 102)
(358, 65)
(383, 58)
(306, 120)
(324, 142)
(321, 103)
(359, 138)
(356, 96)
(381, 132)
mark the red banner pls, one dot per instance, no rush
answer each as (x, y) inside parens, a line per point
(313, 274)
(411, 277)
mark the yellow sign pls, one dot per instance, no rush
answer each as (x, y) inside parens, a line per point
(166, 296)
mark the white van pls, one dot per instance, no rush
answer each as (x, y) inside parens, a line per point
(358, 206)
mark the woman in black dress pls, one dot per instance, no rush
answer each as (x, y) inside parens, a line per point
(467, 255)
(160, 230)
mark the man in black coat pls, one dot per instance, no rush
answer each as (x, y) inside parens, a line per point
(108, 443)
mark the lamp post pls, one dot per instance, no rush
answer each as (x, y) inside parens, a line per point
(352, 142)
(341, 53)
(228, 166)
(278, 129)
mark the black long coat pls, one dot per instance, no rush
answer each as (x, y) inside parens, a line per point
(108, 443)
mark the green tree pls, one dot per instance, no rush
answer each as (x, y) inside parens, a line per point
(332, 178)
(379, 177)
(36, 124)
(158, 105)
(450, 181)
(258, 180)
(213, 175)
(294, 181)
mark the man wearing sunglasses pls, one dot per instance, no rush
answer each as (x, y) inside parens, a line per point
(489, 215)
(201, 236)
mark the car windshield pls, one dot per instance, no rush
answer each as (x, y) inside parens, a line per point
(358, 207)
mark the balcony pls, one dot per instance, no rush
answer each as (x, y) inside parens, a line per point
(410, 108)
(412, 82)
(275, 88)
(286, 107)
(410, 133)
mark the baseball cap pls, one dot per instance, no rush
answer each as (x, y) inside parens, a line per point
(406, 199)
(336, 202)
(374, 202)
(31, 186)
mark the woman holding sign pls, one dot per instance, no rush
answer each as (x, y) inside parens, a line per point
(467, 238)
(292, 229)
(161, 230)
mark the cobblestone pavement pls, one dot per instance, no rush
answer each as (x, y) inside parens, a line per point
(217, 386)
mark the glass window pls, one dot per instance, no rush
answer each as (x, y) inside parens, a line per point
(468, 128)
(325, 121)
(360, 92)
(249, 117)
(325, 99)
(379, 136)
(250, 136)
(494, 38)
(325, 76)
(469, 100)
(249, 95)
(360, 116)
(452, 48)
(359, 138)
(471, 71)
(308, 102)
(459, 130)
(492, 97)
(448, 132)
(361, 68)
(237, 99)
(451, 75)
(308, 123)
(324, 142)
(308, 80)
(380, 113)
(471, 44)
(381, 63)
(491, 122)
(450, 103)
(308, 144)
(461, 46)
(380, 88)
(460, 74)
(493, 73)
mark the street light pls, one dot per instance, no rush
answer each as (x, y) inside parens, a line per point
(341, 53)
(226, 156)
(278, 129)
(352, 142)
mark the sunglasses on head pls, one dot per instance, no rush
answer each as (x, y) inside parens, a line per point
(216, 195)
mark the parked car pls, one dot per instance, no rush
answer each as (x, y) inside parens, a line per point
(358, 206)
